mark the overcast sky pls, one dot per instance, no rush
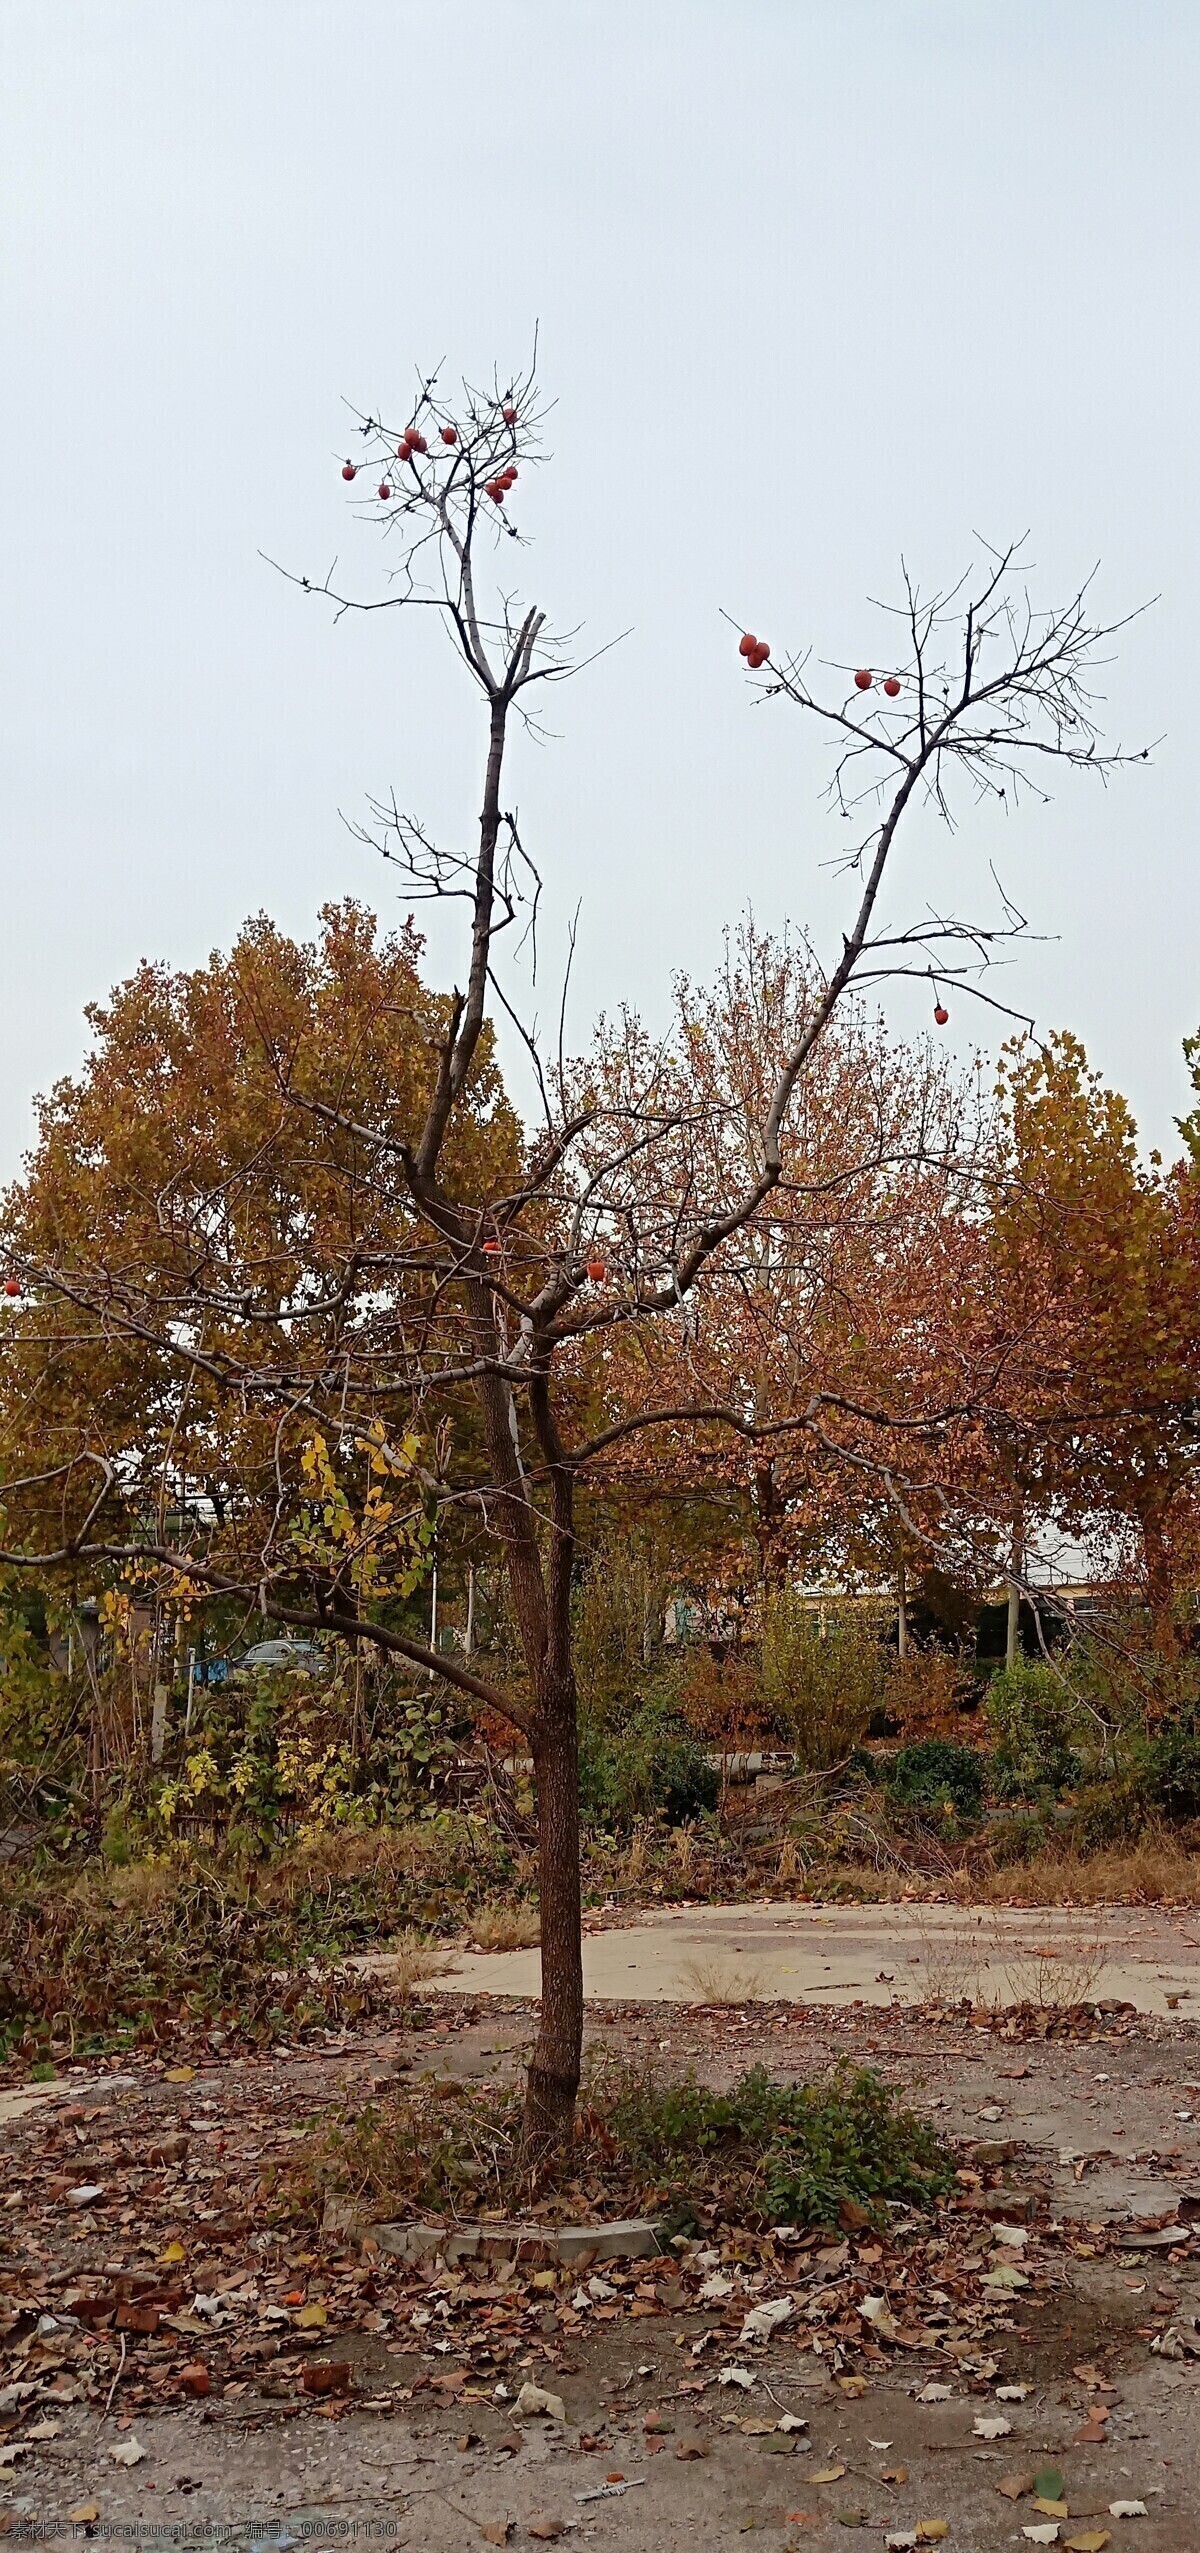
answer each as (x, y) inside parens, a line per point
(819, 283)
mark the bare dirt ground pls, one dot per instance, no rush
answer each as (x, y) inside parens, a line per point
(1083, 2147)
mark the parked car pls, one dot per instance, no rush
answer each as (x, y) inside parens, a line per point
(278, 1656)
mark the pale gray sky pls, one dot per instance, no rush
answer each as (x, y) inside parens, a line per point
(818, 282)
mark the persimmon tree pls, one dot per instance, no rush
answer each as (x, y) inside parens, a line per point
(631, 1187)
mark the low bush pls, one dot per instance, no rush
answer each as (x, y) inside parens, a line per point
(1036, 1724)
(824, 1680)
(1174, 1768)
(935, 1775)
(646, 1765)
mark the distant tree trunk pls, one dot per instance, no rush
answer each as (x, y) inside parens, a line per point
(1013, 1639)
(769, 1514)
(1160, 1590)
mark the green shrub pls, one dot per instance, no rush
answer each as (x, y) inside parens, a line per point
(619, 1609)
(815, 2145)
(935, 1775)
(1035, 1721)
(823, 1683)
(1116, 1811)
(1174, 1765)
(647, 1766)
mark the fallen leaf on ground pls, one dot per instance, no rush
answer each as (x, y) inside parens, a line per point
(127, 2451)
(993, 2425)
(1051, 2508)
(897, 2474)
(740, 2376)
(828, 2473)
(332, 2376)
(762, 2320)
(1042, 2534)
(180, 2074)
(931, 2530)
(1011, 2393)
(934, 2393)
(1128, 2509)
(690, 2450)
(312, 2318)
(853, 2386)
(1093, 2542)
(1048, 2482)
(84, 2516)
(545, 2527)
(1015, 2485)
(532, 2403)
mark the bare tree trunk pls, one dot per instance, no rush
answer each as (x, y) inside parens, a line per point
(1012, 1640)
(1159, 1587)
(553, 2078)
(1014, 1618)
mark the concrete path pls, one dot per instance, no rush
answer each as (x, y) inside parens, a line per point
(1149, 1957)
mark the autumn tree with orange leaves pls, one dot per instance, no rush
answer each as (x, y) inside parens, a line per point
(629, 1190)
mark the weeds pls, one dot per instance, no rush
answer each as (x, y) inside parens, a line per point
(505, 1928)
(721, 1982)
(103, 1953)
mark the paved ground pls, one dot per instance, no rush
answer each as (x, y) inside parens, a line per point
(884, 1955)
(1109, 2141)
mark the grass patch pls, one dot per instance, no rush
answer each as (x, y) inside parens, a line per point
(504, 1928)
(1155, 1871)
(765, 2153)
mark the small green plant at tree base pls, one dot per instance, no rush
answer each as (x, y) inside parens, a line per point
(762, 2154)
(1035, 1722)
(935, 1775)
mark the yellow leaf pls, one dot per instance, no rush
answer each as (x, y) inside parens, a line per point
(829, 2473)
(1093, 2542)
(931, 2530)
(89, 2512)
(312, 2318)
(173, 2254)
(180, 2074)
(1052, 2508)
